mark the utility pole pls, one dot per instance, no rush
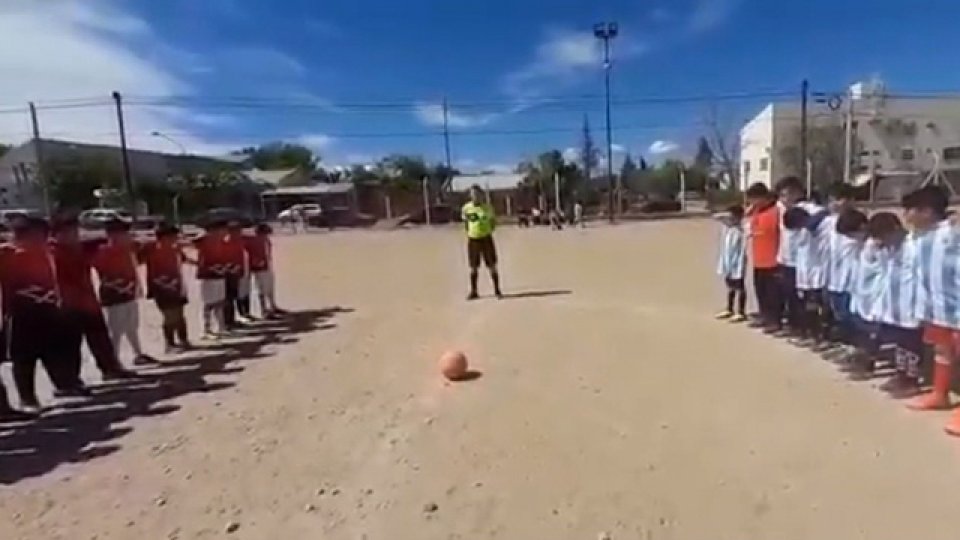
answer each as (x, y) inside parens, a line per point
(446, 133)
(41, 169)
(848, 141)
(125, 157)
(804, 105)
(606, 32)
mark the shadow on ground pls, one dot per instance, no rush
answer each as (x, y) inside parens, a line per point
(79, 431)
(536, 294)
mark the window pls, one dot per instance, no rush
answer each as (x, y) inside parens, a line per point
(746, 166)
(764, 164)
(951, 153)
(907, 153)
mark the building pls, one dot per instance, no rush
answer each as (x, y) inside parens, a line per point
(331, 198)
(20, 188)
(892, 136)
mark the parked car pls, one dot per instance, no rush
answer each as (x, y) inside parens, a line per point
(308, 211)
(96, 218)
(9, 214)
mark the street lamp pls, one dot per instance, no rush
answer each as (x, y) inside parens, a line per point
(183, 149)
(606, 31)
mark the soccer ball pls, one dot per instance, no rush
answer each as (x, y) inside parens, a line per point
(453, 365)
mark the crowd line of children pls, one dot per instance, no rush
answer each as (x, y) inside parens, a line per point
(51, 305)
(851, 286)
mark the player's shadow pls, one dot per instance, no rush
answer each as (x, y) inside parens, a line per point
(82, 430)
(536, 294)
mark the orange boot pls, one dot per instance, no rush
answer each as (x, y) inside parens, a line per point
(953, 426)
(939, 398)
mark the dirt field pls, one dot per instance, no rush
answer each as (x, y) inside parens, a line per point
(610, 403)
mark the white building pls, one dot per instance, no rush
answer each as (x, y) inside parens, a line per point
(894, 135)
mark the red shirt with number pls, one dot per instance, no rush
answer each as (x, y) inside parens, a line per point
(234, 244)
(164, 260)
(117, 268)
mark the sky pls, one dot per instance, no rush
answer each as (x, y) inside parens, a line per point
(357, 80)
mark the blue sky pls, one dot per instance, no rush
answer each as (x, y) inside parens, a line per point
(363, 78)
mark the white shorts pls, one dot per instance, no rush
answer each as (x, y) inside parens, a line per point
(123, 317)
(213, 291)
(243, 286)
(265, 282)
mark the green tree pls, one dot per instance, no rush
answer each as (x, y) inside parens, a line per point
(589, 154)
(281, 155)
(628, 171)
(72, 180)
(826, 152)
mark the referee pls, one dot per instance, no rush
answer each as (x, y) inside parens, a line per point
(480, 222)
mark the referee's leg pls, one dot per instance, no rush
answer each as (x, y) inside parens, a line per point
(490, 260)
(473, 258)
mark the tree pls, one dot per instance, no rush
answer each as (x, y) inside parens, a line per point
(541, 176)
(281, 155)
(723, 140)
(628, 171)
(703, 161)
(73, 179)
(4, 148)
(589, 154)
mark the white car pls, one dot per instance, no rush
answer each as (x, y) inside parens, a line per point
(96, 218)
(307, 211)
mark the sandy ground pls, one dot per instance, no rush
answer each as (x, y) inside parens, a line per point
(610, 403)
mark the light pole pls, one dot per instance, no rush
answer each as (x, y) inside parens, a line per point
(183, 149)
(605, 32)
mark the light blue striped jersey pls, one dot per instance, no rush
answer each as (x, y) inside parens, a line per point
(843, 260)
(813, 248)
(868, 278)
(733, 253)
(939, 272)
(901, 281)
(787, 251)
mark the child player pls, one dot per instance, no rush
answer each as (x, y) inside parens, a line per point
(32, 316)
(810, 228)
(260, 256)
(116, 264)
(790, 191)
(239, 272)
(938, 270)
(842, 261)
(211, 272)
(897, 311)
(164, 260)
(733, 260)
(864, 296)
(764, 214)
(480, 222)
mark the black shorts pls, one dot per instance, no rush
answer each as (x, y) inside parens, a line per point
(481, 249)
(735, 284)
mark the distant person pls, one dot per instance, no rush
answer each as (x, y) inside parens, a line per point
(535, 216)
(732, 264)
(260, 254)
(480, 222)
(212, 261)
(578, 214)
(164, 259)
(556, 220)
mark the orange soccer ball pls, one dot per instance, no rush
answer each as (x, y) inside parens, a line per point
(453, 365)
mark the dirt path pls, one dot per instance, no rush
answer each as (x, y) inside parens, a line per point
(610, 401)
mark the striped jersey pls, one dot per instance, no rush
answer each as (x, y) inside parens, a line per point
(813, 248)
(938, 262)
(898, 293)
(866, 284)
(843, 260)
(733, 253)
(787, 253)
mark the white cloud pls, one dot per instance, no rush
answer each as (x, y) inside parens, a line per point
(266, 61)
(663, 147)
(572, 154)
(431, 114)
(708, 14)
(68, 49)
(316, 141)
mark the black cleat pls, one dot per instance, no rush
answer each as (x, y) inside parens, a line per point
(473, 296)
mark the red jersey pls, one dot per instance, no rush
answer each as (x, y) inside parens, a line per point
(236, 254)
(73, 266)
(117, 268)
(28, 277)
(164, 276)
(212, 260)
(259, 252)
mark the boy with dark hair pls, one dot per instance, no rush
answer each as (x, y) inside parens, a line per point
(764, 237)
(480, 222)
(116, 263)
(790, 191)
(83, 314)
(732, 263)
(938, 273)
(234, 270)
(811, 229)
(842, 254)
(164, 260)
(260, 255)
(33, 321)
(865, 295)
(897, 310)
(212, 264)
(239, 270)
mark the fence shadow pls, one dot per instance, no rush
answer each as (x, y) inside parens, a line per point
(83, 430)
